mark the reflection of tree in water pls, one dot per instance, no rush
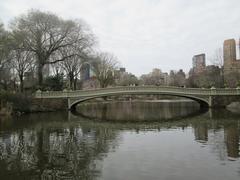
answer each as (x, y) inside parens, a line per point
(54, 151)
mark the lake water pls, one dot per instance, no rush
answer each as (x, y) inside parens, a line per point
(122, 140)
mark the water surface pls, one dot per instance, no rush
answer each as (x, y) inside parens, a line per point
(66, 146)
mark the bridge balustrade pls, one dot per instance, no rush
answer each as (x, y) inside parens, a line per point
(153, 89)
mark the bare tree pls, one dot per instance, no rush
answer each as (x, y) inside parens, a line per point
(218, 60)
(57, 69)
(72, 69)
(104, 65)
(128, 79)
(73, 64)
(4, 49)
(156, 77)
(232, 79)
(22, 62)
(5, 69)
(210, 77)
(47, 35)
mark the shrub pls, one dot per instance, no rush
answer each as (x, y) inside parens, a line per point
(19, 102)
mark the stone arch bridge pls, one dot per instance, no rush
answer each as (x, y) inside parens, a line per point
(205, 97)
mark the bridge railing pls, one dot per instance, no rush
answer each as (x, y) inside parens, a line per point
(135, 89)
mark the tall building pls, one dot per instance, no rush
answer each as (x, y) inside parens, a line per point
(122, 70)
(85, 72)
(231, 64)
(120, 73)
(199, 63)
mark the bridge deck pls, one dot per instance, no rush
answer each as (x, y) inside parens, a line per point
(138, 89)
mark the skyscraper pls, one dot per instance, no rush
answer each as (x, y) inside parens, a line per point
(229, 54)
(199, 63)
(85, 72)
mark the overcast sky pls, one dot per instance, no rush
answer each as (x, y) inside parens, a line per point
(146, 34)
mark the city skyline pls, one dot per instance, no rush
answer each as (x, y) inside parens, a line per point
(146, 34)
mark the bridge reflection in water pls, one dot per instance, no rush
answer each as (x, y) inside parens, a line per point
(143, 111)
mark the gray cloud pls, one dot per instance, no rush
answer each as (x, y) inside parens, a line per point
(144, 34)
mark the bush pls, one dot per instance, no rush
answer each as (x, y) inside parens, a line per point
(54, 83)
(19, 102)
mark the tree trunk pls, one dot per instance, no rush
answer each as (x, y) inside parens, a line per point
(71, 80)
(75, 84)
(21, 83)
(5, 85)
(40, 74)
(222, 75)
(102, 85)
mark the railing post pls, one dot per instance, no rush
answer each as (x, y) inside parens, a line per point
(238, 90)
(210, 103)
(65, 93)
(213, 91)
(69, 103)
(38, 94)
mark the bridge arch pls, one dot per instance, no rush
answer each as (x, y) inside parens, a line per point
(204, 103)
(205, 97)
